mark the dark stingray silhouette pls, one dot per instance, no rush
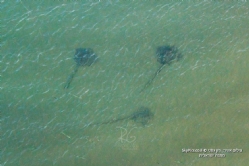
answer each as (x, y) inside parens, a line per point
(82, 57)
(142, 115)
(165, 55)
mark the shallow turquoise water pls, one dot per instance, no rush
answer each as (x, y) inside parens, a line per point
(199, 102)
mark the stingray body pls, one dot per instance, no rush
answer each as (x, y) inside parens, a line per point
(82, 57)
(142, 115)
(165, 55)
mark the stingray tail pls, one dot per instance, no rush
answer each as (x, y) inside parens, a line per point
(151, 80)
(70, 78)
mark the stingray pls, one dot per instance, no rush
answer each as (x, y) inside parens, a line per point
(165, 55)
(142, 116)
(82, 57)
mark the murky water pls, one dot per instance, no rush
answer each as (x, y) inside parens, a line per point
(201, 101)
